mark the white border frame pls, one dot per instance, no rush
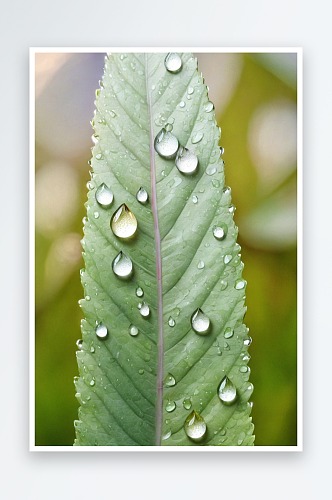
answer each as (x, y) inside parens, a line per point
(299, 52)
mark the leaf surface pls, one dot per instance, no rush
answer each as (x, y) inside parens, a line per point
(139, 390)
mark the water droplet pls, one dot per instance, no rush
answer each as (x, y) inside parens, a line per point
(200, 265)
(87, 297)
(248, 341)
(200, 322)
(215, 183)
(229, 332)
(173, 62)
(123, 222)
(170, 380)
(99, 156)
(240, 284)
(187, 403)
(79, 343)
(168, 127)
(92, 383)
(231, 209)
(211, 170)
(166, 435)
(208, 107)
(226, 346)
(220, 231)
(92, 349)
(190, 90)
(227, 391)
(133, 330)
(195, 427)
(197, 138)
(144, 310)
(195, 199)
(139, 292)
(186, 161)
(243, 369)
(227, 259)
(166, 144)
(171, 321)
(182, 104)
(104, 196)
(170, 406)
(142, 195)
(96, 215)
(101, 331)
(141, 371)
(122, 266)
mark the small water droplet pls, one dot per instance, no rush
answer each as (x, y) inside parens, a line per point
(170, 406)
(200, 322)
(227, 259)
(168, 127)
(166, 435)
(96, 215)
(182, 104)
(92, 383)
(79, 343)
(104, 196)
(195, 427)
(208, 107)
(92, 349)
(190, 90)
(226, 346)
(240, 441)
(197, 137)
(166, 144)
(141, 371)
(133, 330)
(122, 266)
(144, 310)
(240, 284)
(187, 403)
(99, 156)
(211, 170)
(87, 297)
(195, 199)
(173, 62)
(101, 331)
(170, 380)
(231, 209)
(123, 222)
(220, 231)
(248, 341)
(171, 321)
(139, 292)
(215, 183)
(227, 391)
(200, 265)
(243, 369)
(186, 161)
(229, 332)
(142, 195)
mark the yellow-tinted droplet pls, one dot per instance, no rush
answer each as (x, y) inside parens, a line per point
(123, 222)
(195, 427)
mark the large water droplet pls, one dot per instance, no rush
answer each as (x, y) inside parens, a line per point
(182, 104)
(142, 195)
(197, 138)
(173, 62)
(220, 231)
(247, 341)
(170, 380)
(200, 322)
(139, 292)
(195, 427)
(186, 161)
(122, 266)
(240, 284)
(133, 330)
(227, 391)
(166, 144)
(170, 406)
(101, 331)
(144, 310)
(123, 222)
(171, 321)
(208, 107)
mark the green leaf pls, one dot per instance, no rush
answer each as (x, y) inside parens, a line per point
(139, 390)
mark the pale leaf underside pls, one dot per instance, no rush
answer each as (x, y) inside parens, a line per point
(119, 375)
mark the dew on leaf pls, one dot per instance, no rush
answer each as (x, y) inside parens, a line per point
(197, 137)
(200, 265)
(208, 107)
(195, 427)
(144, 310)
(101, 331)
(142, 196)
(166, 144)
(123, 222)
(170, 406)
(227, 391)
(133, 330)
(229, 332)
(240, 284)
(187, 403)
(170, 380)
(92, 383)
(122, 266)
(227, 259)
(139, 292)
(173, 62)
(195, 199)
(171, 321)
(211, 169)
(220, 231)
(186, 161)
(200, 322)
(79, 343)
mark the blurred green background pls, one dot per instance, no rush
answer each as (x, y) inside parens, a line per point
(255, 102)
